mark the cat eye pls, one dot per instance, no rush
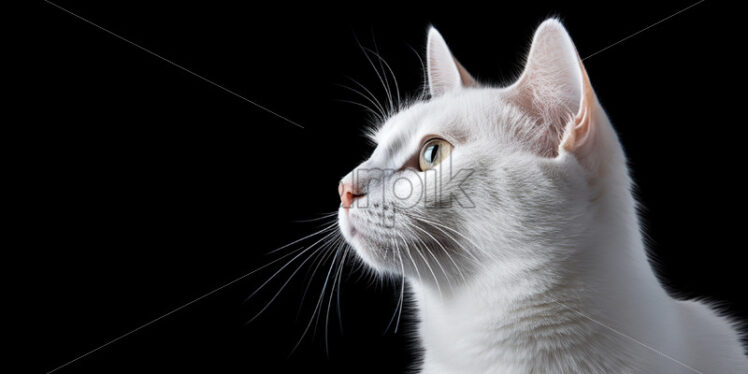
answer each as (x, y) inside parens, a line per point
(433, 152)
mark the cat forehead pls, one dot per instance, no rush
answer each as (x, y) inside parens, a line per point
(446, 116)
(402, 133)
(455, 117)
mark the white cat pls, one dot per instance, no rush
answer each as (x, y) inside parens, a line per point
(509, 211)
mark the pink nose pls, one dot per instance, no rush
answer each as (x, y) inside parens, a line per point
(348, 194)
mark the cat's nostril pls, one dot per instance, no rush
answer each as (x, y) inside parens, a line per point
(348, 193)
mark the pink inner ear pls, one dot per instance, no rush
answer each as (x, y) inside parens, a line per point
(589, 136)
(580, 131)
(465, 77)
(549, 91)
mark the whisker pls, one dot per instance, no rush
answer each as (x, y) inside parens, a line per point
(332, 291)
(402, 293)
(392, 73)
(317, 306)
(424, 260)
(276, 260)
(340, 280)
(410, 256)
(316, 264)
(369, 96)
(280, 290)
(331, 226)
(436, 280)
(384, 73)
(335, 251)
(276, 274)
(380, 76)
(399, 306)
(424, 70)
(437, 225)
(320, 218)
(446, 252)
(327, 236)
(291, 261)
(371, 111)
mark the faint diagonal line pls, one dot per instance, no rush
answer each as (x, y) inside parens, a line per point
(173, 64)
(583, 314)
(645, 29)
(626, 336)
(162, 316)
(302, 127)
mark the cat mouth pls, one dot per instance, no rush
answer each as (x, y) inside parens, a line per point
(346, 226)
(352, 231)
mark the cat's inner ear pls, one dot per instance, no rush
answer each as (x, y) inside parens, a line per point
(554, 90)
(445, 73)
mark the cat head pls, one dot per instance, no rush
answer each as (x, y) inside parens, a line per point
(480, 177)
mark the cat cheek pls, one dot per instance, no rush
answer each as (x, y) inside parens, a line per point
(407, 190)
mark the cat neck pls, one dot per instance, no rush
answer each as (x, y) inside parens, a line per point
(510, 319)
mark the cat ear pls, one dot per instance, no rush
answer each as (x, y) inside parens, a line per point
(444, 71)
(555, 90)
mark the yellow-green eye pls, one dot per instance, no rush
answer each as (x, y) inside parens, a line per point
(433, 152)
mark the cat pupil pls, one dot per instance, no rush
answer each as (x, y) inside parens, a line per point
(431, 153)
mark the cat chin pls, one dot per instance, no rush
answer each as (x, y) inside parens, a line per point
(351, 235)
(363, 247)
(346, 228)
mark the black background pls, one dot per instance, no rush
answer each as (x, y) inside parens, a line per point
(144, 187)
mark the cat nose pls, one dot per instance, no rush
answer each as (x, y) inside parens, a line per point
(348, 194)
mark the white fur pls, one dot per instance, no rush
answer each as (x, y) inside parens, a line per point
(539, 267)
